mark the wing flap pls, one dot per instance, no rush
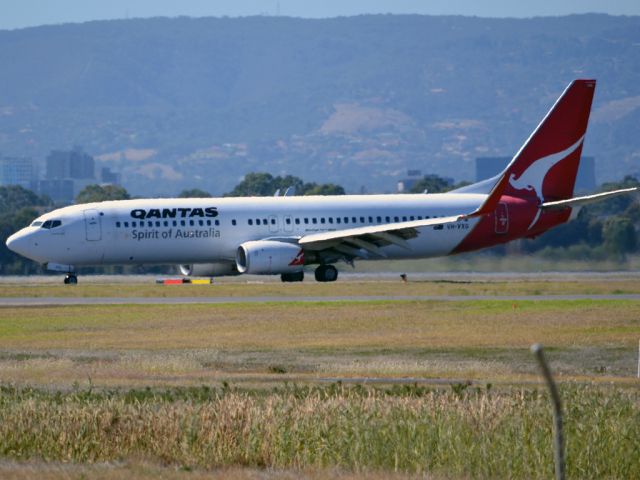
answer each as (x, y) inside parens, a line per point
(372, 237)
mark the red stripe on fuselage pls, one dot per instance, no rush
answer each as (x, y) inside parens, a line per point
(521, 214)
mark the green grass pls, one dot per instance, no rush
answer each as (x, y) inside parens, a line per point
(455, 433)
(239, 288)
(124, 345)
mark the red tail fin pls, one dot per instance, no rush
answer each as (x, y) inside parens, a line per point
(547, 164)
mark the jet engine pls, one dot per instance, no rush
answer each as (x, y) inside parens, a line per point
(267, 257)
(208, 269)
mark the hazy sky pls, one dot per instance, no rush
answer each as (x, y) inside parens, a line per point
(25, 13)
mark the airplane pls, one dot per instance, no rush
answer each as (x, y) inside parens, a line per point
(281, 235)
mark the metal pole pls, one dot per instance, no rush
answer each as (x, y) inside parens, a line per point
(558, 444)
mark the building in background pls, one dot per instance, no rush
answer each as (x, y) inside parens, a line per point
(406, 184)
(67, 173)
(487, 167)
(17, 171)
(108, 176)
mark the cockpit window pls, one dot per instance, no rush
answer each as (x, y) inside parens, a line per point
(51, 224)
(37, 223)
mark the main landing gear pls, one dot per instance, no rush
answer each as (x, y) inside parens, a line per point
(70, 279)
(292, 277)
(326, 273)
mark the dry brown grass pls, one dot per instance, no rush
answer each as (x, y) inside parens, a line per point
(144, 471)
(479, 433)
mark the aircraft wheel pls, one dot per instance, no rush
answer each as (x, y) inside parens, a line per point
(326, 273)
(292, 277)
(70, 279)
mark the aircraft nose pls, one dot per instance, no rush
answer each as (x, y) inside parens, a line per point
(19, 243)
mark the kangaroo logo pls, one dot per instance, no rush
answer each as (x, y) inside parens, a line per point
(533, 177)
(298, 260)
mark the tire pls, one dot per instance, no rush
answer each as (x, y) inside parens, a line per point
(71, 280)
(326, 273)
(292, 277)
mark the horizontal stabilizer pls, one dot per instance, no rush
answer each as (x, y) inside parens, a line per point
(579, 201)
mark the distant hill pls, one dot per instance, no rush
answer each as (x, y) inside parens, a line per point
(181, 103)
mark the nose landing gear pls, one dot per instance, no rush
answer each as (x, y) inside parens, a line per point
(70, 279)
(326, 273)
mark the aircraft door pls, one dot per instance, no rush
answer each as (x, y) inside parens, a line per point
(502, 219)
(92, 225)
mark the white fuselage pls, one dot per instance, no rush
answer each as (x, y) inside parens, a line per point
(177, 231)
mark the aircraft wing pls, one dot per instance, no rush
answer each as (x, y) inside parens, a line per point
(579, 201)
(370, 239)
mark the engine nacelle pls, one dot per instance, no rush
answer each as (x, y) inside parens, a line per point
(268, 257)
(208, 269)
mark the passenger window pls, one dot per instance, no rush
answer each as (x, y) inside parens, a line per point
(396, 219)
(337, 219)
(175, 224)
(217, 222)
(117, 224)
(306, 221)
(149, 224)
(404, 219)
(208, 223)
(370, 219)
(191, 223)
(354, 220)
(126, 224)
(346, 219)
(250, 222)
(233, 222)
(288, 221)
(388, 219)
(379, 219)
(182, 223)
(166, 223)
(361, 219)
(133, 224)
(330, 219)
(314, 220)
(157, 223)
(297, 221)
(322, 220)
(273, 221)
(419, 217)
(201, 223)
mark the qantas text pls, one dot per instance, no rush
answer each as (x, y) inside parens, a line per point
(174, 212)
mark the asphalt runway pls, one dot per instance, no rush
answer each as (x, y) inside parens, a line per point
(62, 301)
